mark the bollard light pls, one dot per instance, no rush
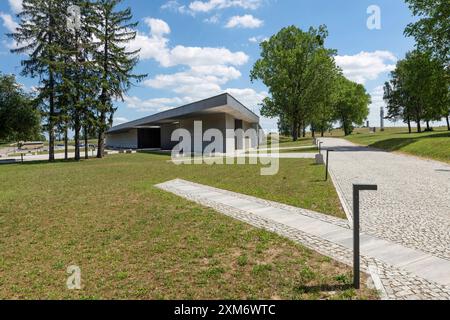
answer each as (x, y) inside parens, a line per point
(357, 188)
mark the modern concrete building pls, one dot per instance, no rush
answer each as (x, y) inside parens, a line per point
(222, 112)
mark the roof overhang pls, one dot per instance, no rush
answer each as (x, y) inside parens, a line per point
(224, 103)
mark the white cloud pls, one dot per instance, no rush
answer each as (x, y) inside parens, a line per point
(246, 21)
(120, 120)
(248, 97)
(257, 39)
(175, 6)
(366, 66)
(158, 27)
(155, 46)
(16, 5)
(196, 56)
(154, 105)
(377, 95)
(8, 22)
(209, 5)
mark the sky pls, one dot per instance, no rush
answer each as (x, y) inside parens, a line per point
(195, 49)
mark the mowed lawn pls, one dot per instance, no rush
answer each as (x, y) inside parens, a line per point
(433, 145)
(133, 241)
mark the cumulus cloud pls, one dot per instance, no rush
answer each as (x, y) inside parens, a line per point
(8, 22)
(155, 105)
(158, 27)
(249, 97)
(207, 68)
(206, 6)
(120, 120)
(366, 66)
(156, 46)
(175, 6)
(246, 21)
(257, 39)
(16, 5)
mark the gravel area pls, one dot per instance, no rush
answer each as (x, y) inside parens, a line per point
(412, 206)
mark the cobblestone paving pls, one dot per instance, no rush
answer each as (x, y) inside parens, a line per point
(412, 206)
(395, 283)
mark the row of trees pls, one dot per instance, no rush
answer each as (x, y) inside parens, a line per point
(19, 118)
(307, 88)
(419, 87)
(77, 50)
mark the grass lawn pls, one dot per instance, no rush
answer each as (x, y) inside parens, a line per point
(434, 145)
(133, 241)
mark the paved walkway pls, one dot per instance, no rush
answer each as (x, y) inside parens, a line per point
(412, 206)
(398, 272)
(44, 157)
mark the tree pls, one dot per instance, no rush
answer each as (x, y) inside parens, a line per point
(397, 106)
(290, 67)
(418, 90)
(432, 31)
(324, 82)
(113, 29)
(38, 36)
(351, 104)
(19, 118)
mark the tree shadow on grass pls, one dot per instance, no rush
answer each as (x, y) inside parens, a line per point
(325, 288)
(396, 144)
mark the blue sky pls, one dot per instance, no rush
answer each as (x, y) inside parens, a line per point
(195, 49)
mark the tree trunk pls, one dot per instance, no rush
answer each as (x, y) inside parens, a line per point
(66, 142)
(101, 137)
(428, 126)
(419, 128)
(77, 138)
(86, 145)
(448, 122)
(409, 125)
(51, 120)
(103, 97)
(295, 132)
(304, 130)
(322, 133)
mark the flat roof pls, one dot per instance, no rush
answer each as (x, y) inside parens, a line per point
(223, 103)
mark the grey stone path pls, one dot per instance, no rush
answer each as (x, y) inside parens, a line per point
(412, 206)
(400, 272)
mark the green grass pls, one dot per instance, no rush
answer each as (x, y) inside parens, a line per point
(133, 241)
(433, 145)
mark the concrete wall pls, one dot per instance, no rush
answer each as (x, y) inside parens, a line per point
(166, 134)
(124, 140)
(211, 121)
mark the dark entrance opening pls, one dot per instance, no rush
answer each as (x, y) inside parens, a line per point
(149, 138)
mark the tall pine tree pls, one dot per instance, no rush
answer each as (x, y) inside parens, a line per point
(38, 36)
(113, 29)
